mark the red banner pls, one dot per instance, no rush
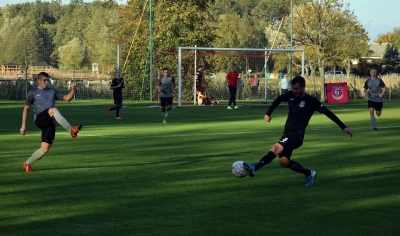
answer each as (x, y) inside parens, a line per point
(336, 93)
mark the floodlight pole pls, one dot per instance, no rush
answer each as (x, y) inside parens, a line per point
(151, 51)
(291, 39)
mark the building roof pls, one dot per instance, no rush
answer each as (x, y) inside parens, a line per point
(378, 50)
(11, 64)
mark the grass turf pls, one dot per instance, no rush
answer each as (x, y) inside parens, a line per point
(137, 176)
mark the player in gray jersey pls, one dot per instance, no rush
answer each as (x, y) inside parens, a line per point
(374, 88)
(43, 100)
(165, 86)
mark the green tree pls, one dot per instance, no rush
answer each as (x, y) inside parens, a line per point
(72, 54)
(322, 25)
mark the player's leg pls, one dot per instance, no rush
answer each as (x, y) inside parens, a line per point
(168, 106)
(371, 108)
(114, 107)
(378, 108)
(232, 92)
(54, 112)
(118, 103)
(48, 135)
(276, 149)
(234, 97)
(163, 104)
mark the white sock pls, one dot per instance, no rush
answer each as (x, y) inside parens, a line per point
(35, 156)
(373, 120)
(62, 121)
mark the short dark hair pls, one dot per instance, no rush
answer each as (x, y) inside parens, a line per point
(165, 68)
(199, 67)
(43, 74)
(299, 80)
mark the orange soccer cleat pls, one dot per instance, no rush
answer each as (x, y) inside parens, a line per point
(27, 167)
(75, 130)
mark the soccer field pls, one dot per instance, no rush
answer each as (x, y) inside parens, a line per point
(138, 176)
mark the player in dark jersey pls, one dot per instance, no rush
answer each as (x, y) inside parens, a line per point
(117, 85)
(199, 83)
(43, 100)
(301, 107)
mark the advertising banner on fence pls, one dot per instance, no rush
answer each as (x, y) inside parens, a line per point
(336, 93)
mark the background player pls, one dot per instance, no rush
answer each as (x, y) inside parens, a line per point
(117, 85)
(165, 86)
(375, 88)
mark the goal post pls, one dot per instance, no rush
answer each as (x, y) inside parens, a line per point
(217, 63)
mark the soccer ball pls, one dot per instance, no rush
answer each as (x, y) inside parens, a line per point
(238, 169)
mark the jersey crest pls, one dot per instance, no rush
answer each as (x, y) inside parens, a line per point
(302, 104)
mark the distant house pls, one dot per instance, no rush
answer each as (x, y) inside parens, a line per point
(378, 52)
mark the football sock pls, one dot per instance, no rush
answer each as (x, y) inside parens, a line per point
(373, 120)
(163, 115)
(35, 156)
(117, 112)
(112, 108)
(265, 160)
(62, 121)
(298, 168)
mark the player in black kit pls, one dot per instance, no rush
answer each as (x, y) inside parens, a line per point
(301, 107)
(117, 85)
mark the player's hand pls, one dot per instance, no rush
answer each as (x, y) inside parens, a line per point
(348, 131)
(267, 118)
(73, 86)
(22, 130)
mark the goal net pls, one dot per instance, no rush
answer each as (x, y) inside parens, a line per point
(217, 62)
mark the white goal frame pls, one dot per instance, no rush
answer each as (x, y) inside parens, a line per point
(180, 49)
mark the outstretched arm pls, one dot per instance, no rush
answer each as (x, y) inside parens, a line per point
(336, 119)
(70, 95)
(271, 108)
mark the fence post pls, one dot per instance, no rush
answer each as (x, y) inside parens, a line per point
(390, 88)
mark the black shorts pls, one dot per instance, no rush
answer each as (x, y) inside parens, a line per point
(47, 125)
(118, 101)
(165, 101)
(376, 105)
(289, 143)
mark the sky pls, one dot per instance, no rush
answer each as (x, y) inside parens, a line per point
(377, 16)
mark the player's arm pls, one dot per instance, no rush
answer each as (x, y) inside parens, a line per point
(366, 88)
(274, 105)
(70, 95)
(383, 86)
(25, 112)
(336, 119)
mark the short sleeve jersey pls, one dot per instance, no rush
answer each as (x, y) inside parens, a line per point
(199, 79)
(232, 78)
(43, 99)
(166, 85)
(374, 87)
(300, 112)
(117, 92)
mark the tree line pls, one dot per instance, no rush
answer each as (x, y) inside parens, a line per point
(75, 35)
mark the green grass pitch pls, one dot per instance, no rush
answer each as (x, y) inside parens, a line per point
(137, 176)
